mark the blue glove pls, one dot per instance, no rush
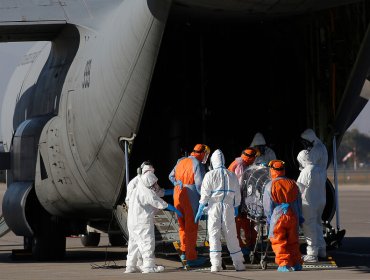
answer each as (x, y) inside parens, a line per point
(301, 220)
(172, 208)
(236, 211)
(284, 207)
(199, 213)
(168, 192)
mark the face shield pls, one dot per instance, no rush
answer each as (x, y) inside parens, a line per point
(206, 152)
(277, 164)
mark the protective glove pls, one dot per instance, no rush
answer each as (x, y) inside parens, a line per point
(168, 192)
(301, 220)
(236, 211)
(199, 213)
(172, 208)
(284, 207)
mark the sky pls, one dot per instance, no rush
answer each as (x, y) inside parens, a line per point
(12, 53)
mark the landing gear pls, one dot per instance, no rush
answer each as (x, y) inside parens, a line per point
(48, 247)
(116, 240)
(333, 237)
(90, 239)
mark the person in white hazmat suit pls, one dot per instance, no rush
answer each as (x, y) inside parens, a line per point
(313, 144)
(220, 189)
(143, 200)
(311, 182)
(266, 154)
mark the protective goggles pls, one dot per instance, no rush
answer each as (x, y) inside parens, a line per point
(277, 164)
(250, 152)
(206, 150)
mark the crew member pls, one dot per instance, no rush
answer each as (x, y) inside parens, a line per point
(312, 183)
(266, 154)
(283, 206)
(221, 191)
(142, 202)
(187, 177)
(316, 147)
(238, 166)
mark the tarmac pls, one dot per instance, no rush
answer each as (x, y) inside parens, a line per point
(350, 261)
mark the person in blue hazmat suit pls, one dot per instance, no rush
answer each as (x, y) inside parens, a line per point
(220, 190)
(312, 181)
(143, 201)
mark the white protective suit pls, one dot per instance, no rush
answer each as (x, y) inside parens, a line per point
(319, 152)
(142, 203)
(220, 189)
(267, 155)
(312, 184)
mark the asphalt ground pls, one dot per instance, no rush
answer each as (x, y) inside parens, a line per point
(350, 261)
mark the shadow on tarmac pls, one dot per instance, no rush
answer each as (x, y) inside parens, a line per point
(83, 255)
(353, 253)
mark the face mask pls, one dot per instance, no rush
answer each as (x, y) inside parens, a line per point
(307, 144)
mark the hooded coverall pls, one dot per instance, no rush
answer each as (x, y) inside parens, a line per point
(238, 166)
(142, 203)
(187, 177)
(220, 189)
(312, 180)
(282, 205)
(267, 155)
(318, 150)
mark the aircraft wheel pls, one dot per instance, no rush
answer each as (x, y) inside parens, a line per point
(51, 247)
(90, 239)
(116, 240)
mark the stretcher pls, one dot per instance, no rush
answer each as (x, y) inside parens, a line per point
(253, 185)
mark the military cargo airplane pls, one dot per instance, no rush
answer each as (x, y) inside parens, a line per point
(163, 75)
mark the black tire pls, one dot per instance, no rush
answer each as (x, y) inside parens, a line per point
(48, 248)
(330, 207)
(90, 239)
(116, 240)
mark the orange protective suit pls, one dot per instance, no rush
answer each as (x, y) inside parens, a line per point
(187, 177)
(238, 166)
(283, 208)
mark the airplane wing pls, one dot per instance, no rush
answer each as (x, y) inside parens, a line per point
(42, 20)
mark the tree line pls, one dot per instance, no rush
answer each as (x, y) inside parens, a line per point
(354, 147)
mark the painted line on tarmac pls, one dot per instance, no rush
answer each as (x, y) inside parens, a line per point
(329, 264)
